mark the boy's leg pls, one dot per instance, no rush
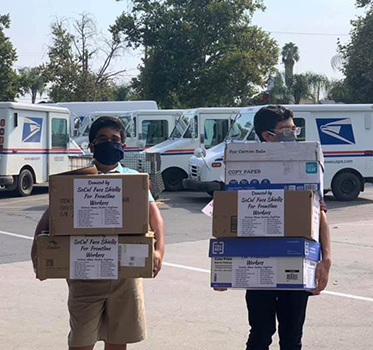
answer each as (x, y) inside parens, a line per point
(86, 304)
(261, 306)
(115, 347)
(291, 313)
(123, 321)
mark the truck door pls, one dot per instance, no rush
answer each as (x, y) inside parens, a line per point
(215, 128)
(154, 131)
(58, 144)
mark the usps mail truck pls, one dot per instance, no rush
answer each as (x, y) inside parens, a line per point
(34, 143)
(80, 110)
(144, 128)
(345, 133)
(196, 128)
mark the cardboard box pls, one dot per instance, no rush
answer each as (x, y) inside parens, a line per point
(264, 247)
(263, 273)
(95, 257)
(266, 213)
(274, 165)
(264, 263)
(91, 204)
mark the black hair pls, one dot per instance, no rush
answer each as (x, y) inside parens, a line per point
(106, 122)
(268, 117)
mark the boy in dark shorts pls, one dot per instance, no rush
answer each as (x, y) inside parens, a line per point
(108, 310)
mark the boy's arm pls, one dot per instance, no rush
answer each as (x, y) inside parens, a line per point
(323, 267)
(42, 225)
(157, 225)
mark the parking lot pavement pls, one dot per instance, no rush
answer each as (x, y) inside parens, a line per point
(182, 311)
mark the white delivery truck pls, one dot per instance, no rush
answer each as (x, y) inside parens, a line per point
(34, 143)
(80, 110)
(144, 128)
(196, 128)
(345, 133)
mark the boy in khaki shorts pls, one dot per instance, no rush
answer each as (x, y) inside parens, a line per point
(108, 310)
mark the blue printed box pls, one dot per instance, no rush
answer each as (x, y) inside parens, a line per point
(264, 247)
(264, 263)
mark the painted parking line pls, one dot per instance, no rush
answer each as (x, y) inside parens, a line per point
(191, 268)
(15, 235)
(343, 295)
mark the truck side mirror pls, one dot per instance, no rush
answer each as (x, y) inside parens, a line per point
(199, 153)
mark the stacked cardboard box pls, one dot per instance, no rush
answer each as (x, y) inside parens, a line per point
(266, 235)
(98, 227)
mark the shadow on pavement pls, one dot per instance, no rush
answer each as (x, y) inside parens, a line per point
(36, 191)
(332, 203)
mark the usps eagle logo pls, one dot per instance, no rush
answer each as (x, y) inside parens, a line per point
(32, 128)
(335, 131)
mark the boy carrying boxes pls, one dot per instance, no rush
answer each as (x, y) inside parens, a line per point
(272, 124)
(111, 310)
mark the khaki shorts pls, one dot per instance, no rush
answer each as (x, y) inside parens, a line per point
(112, 311)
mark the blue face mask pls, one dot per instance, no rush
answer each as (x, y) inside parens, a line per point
(108, 153)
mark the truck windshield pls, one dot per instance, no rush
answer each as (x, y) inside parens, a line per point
(241, 127)
(126, 121)
(180, 127)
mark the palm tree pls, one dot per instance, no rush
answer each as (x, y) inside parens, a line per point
(318, 83)
(300, 88)
(33, 81)
(290, 55)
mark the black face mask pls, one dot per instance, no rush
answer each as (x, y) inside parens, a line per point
(108, 153)
(284, 137)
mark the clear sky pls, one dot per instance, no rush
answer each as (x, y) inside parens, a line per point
(297, 21)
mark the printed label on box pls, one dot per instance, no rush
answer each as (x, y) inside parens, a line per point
(98, 203)
(261, 213)
(133, 254)
(254, 272)
(316, 217)
(94, 257)
(310, 273)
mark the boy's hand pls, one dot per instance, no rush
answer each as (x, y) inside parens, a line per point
(322, 276)
(217, 289)
(158, 258)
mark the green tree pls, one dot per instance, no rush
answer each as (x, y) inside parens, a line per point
(318, 85)
(9, 80)
(295, 91)
(357, 57)
(33, 81)
(198, 53)
(338, 91)
(278, 91)
(300, 88)
(70, 69)
(290, 55)
(122, 93)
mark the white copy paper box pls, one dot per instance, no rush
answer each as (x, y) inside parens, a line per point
(277, 165)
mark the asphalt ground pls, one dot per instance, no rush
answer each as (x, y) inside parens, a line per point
(182, 311)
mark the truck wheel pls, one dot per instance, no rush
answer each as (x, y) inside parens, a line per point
(25, 183)
(173, 179)
(346, 186)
